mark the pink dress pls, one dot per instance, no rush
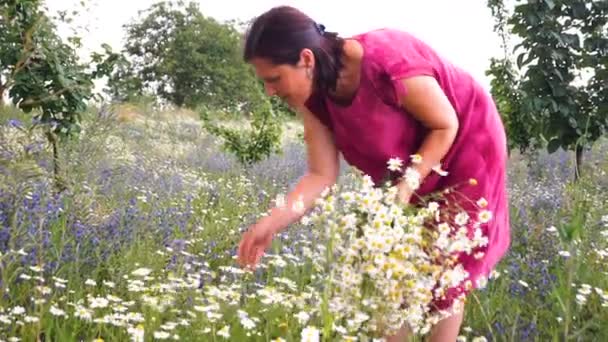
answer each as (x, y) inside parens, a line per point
(374, 128)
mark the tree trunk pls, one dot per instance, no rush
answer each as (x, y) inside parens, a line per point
(579, 162)
(2, 90)
(59, 183)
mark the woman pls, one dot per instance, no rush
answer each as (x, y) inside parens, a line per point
(372, 97)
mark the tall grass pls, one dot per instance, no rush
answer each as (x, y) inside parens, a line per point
(141, 245)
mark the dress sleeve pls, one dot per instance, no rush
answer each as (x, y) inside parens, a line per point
(317, 107)
(398, 55)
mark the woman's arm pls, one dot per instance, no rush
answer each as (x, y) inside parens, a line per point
(323, 170)
(425, 100)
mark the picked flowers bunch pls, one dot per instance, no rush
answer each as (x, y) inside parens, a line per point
(387, 262)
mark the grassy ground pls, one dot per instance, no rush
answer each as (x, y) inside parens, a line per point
(142, 243)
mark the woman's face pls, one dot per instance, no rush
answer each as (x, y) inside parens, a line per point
(292, 83)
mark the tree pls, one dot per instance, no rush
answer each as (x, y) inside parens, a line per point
(555, 93)
(41, 72)
(194, 61)
(505, 86)
(187, 59)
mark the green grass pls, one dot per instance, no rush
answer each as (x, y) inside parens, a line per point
(158, 194)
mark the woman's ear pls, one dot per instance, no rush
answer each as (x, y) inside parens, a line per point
(307, 58)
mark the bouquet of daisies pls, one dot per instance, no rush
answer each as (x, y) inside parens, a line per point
(388, 262)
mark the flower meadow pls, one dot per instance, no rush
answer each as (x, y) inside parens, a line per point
(141, 244)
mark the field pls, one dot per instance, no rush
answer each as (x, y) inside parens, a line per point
(141, 245)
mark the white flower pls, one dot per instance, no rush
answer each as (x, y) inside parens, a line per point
(141, 272)
(416, 158)
(479, 339)
(412, 178)
(18, 310)
(479, 255)
(55, 311)
(482, 282)
(462, 218)
(98, 302)
(395, 164)
(90, 282)
(302, 317)
(310, 334)
(298, 206)
(280, 201)
(581, 299)
(44, 290)
(523, 283)
(246, 322)
(565, 254)
(83, 313)
(433, 207)
(442, 242)
(485, 216)
(136, 333)
(444, 228)
(368, 182)
(552, 229)
(36, 269)
(161, 335)
(224, 332)
(109, 284)
(30, 319)
(585, 289)
(437, 168)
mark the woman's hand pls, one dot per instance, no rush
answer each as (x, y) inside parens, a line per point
(404, 192)
(254, 243)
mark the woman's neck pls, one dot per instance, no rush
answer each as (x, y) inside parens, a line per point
(349, 77)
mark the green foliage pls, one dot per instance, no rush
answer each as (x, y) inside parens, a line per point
(123, 85)
(41, 71)
(186, 220)
(555, 94)
(190, 60)
(504, 86)
(185, 58)
(252, 145)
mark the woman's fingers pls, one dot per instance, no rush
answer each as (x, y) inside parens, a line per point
(249, 251)
(244, 249)
(258, 255)
(252, 248)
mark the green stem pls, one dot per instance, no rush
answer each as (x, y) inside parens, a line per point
(568, 316)
(483, 312)
(327, 319)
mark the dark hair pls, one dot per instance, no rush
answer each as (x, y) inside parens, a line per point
(281, 33)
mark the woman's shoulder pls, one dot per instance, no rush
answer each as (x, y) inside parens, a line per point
(394, 48)
(386, 37)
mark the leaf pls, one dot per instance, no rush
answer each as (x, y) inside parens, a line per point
(520, 60)
(553, 145)
(532, 18)
(579, 10)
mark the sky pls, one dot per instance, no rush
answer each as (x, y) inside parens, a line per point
(462, 31)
